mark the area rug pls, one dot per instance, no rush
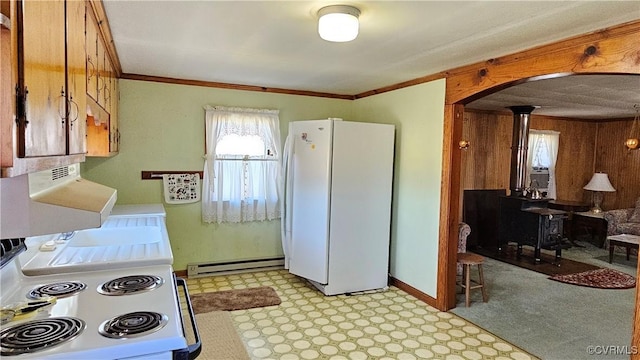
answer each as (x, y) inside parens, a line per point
(600, 278)
(547, 266)
(237, 299)
(219, 338)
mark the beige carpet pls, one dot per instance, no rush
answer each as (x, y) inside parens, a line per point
(238, 299)
(220, 340)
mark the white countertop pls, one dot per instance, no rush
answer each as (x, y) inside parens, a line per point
(138, 210)
(122, 241)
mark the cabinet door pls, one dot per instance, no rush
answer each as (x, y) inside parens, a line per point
(76, 75)
(7, 98)
(116, 112)
(108, 79)
(114, 132)
(43, 50)
(92, 56)
(101, 74)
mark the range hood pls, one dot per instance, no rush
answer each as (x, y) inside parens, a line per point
(52, 201)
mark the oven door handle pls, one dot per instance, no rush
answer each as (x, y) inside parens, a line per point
(195, 348)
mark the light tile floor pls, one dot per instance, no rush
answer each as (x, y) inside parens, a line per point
(381, 325)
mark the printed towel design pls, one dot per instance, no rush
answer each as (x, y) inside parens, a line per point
(181, 188)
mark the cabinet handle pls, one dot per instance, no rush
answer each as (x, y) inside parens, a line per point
(93, 68)
(62, 106)
(73, 118)
(22, 106)
(107, 94)
(100, 87)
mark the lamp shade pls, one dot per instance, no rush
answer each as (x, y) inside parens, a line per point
(338, 23)
(599, 182)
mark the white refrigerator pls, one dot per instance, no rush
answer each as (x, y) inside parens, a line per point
(337, 203)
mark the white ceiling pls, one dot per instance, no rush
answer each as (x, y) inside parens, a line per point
(275, 43)
(593, 97)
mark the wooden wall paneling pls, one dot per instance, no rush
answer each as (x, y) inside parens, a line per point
(574, 166)
(486, 163)
(622, 165)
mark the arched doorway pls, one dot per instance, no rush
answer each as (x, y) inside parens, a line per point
(613, 50)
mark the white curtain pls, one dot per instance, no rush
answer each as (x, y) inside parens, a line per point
(543, 152)
(236, 187)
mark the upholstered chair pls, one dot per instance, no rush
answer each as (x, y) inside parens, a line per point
(623, 221)
(463, 231)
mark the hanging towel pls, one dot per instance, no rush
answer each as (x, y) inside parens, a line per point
(181, 188)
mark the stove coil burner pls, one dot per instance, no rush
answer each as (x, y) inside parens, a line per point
(38, 335)
(133, 324)
(130, 284)
(59, 290)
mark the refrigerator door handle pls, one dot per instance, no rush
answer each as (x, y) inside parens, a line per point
(286, 183)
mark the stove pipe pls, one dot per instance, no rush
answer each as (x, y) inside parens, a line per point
(519, 146)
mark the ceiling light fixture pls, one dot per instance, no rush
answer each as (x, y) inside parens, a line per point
(633, 140)
(338, 23)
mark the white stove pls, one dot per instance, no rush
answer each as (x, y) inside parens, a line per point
(94, 309)
(129, 309)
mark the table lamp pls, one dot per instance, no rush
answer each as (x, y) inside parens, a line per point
(598, 184)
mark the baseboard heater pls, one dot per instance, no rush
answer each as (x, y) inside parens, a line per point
(234, 267)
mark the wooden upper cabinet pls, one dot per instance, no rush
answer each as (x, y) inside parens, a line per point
(103, 137)
(102, 74)
(92, 55)
(7, 84)
(43, 78)
(114, 138)
(76, 76)
(48, 74)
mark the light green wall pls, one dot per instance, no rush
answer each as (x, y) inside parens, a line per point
(418, 114)
(162, 127)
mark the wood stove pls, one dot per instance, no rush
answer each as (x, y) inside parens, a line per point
(529, 222)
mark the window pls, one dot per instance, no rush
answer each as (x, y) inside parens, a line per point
(242, 165)
(541, 159)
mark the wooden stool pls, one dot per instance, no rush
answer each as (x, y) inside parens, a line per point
(468, 259)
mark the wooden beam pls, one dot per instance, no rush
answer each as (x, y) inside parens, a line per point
(234, 86)
(448, 235)
(614, 50)
(404, 84)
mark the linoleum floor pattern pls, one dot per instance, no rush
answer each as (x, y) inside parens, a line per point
(383, 325)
